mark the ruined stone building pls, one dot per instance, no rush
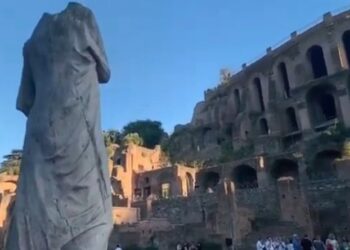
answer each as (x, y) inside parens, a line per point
(272, 138)
(140, 178)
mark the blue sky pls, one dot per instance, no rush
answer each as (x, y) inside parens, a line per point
(163, 53)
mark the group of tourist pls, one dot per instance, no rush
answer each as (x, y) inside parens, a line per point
(295, 243)
(188, 246)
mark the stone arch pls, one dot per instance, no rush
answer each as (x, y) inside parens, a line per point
(263, 127)
(292, 123)
(346, 44)
(210, 180)
(322, 166)
(259, 93)
(244, 177)
(285, 168)
(283, 75)
(317, 61)
(321, 103)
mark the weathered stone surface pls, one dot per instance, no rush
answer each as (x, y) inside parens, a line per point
(63, 197)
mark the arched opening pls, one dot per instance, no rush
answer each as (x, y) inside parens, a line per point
(189, 183)
(237, 100)
(317, 61)
(346, 43)
(282, 69)
(292, 123)
(119, 161)
(285, 169)
(264, 128)
(259, 94)
(321, 104)
(244, 177)
(286, 173)
(210, 181)
(323, 165)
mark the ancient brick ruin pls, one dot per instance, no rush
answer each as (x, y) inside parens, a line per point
(272, 142)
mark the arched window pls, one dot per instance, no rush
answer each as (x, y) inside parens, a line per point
(244, 177)
(321, 103)
(259, 94)
(284, 168)
(292, 123)
(264, 128)
(210, 181)
(237, 100)
(119, 161)
(346, 42)
(282, 69)
(317, 61)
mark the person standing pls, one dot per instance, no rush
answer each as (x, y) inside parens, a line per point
(192, 247)
(290, 245)
(318, 244)
(332, 243)
(281, 244)
(269, 244)
(296, 242)
(306, 243)
(345, 244)
(260, 245)
(186, 246)
(178, 246)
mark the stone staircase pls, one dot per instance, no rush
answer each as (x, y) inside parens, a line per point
(264, 228)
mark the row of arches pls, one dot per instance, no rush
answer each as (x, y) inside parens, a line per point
(321, 104)
(316, 59)
(164, 185)
(246, 177)
(291, 122)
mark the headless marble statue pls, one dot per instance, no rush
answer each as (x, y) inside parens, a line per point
(63, 196)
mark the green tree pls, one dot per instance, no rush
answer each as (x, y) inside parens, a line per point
(112, 136)
(12, 162)
(132, 138)
(151, 132)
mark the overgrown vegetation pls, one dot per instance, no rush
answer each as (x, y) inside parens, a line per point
(194, 164)
(112, 136)
(132, 138)
(11, 164)
(228, 153)
(336, 135)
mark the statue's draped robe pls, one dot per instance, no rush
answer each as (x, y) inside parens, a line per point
(63, 196)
